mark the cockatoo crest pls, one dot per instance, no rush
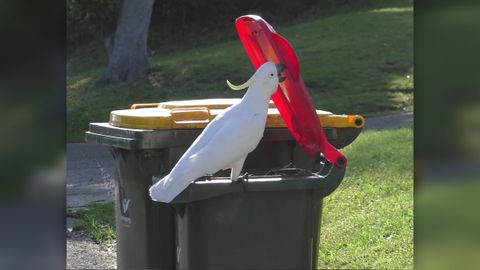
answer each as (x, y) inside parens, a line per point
(268, 76)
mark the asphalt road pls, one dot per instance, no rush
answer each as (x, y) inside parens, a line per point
(90, 174)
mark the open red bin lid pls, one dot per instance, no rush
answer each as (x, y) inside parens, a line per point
(296, 107)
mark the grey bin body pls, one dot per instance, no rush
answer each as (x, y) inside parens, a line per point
(265, 222)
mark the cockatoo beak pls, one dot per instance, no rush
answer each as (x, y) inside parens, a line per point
(280, 69)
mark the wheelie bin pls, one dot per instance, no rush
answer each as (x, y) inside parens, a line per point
(270, 220)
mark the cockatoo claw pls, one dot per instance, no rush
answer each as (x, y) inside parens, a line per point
(243, 177)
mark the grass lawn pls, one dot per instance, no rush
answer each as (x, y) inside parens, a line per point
(360, 62)
(367, 222)
(98, 220)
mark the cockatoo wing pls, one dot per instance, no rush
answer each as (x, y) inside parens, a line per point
(229, 142)
(225, 141)
(232, 142)
(208, 133)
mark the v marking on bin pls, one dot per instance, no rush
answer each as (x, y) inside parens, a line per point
(125, 203)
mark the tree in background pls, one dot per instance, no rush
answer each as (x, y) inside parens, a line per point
(127, 51)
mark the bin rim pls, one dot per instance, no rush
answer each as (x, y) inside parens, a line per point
(220, 186)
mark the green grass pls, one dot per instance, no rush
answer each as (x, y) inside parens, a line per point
(360, 62)
(98, 220)
(368, 221)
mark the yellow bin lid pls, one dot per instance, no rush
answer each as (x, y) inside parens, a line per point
(195, 114)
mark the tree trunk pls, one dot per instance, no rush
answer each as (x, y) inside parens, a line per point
(127, 53)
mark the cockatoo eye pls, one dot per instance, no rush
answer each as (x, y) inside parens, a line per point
(271, 74)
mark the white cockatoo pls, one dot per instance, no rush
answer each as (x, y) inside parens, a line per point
(228, 139)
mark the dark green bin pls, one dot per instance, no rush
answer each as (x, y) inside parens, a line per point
(268, 222)
(151, 235)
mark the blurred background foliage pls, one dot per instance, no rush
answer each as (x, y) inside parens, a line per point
(89, 20)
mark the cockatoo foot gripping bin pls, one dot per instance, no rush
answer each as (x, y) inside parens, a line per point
(276, 205)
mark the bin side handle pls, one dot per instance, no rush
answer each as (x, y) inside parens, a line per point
(332, 174)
